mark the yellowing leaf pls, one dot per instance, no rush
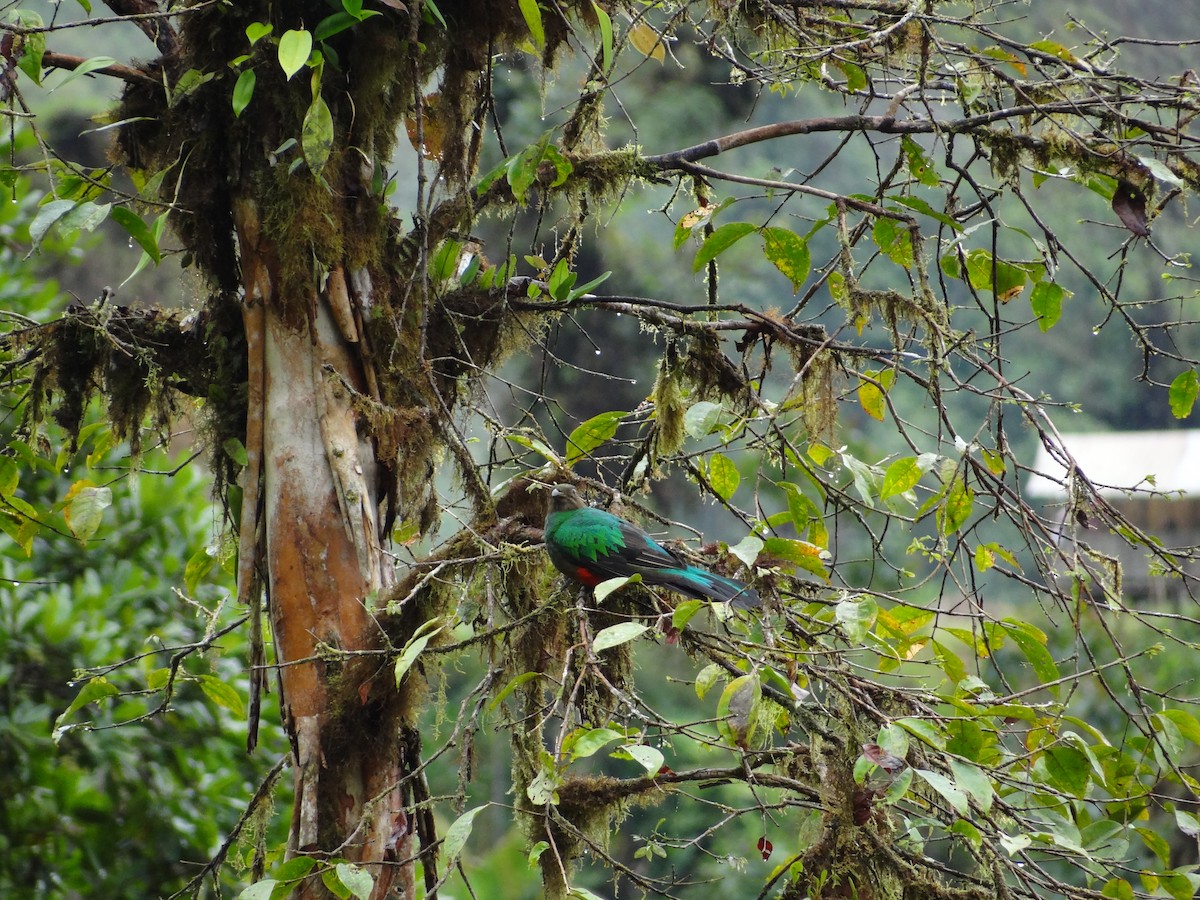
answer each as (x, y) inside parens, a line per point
(645, 39)
(294, 48)
(870, 398)
(737, 708)
(723, 475)
(316, 137)
(789, 253)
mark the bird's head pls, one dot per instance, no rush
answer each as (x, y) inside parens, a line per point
(565, 497)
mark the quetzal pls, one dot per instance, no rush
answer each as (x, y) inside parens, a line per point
(591, 546)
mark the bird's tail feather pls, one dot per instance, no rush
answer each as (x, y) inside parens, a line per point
(702, 584)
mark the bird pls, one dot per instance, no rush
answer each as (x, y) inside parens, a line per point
(590, 545)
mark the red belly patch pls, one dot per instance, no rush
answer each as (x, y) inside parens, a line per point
(585, 576)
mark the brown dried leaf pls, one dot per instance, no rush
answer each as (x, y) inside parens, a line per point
(1129, 203)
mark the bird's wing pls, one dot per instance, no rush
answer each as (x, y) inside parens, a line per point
(609, 545)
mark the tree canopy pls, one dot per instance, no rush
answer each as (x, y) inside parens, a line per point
(803, 285)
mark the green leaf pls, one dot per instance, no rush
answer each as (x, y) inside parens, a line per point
(737, 710)
(719, 241)
(458, 832)
(1054, 49)
(985, 273)
(561, 280)
(587, 743)
(901, 476)
(856, 78)
(10, 476)
(723, 475)
(973, 780)
(1187, 724)
(1068, 769)
(789, 253)
(85, 217)
(606, 37)
(356, 879)
(894, 239)
(925, 730)
(807, 556)
(1156, 843)
(1032, 643)
(294, 48)
(223, 694)
(856, 615)
(512, 686)
(1046, 299)
(1183, 393)
(256, 31)
(535, 445)
(235, 451)
(85, 509)
(707, 677)
(748, 548)
(87, 66)
(684, 612)
(260, 890)
(615, 635)
(918, 205)
(335, 24)
(94, 691)
(585, 289)
(198, 567)
(701, 418)
(801, 508)
(1118, 888)
(604, 588)
(421, 637)
(47, 215)
(918, 163)
(138, 230)
(957, 508)
(316, 136)
(994, 461)
(444, 264)
(32, 45)
(533, 21)
(648, 758)
(948, 789)
(898, 789)
(243, 90)
(592, 434)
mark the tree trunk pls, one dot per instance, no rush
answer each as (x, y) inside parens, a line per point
(320, 526)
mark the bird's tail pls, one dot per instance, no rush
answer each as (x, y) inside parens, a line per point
(705, 585)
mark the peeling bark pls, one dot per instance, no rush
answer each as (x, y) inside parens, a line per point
(318, 542)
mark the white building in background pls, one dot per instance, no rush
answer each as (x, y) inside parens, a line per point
(1150, 477)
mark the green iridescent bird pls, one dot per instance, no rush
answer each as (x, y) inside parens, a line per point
(591, 546)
